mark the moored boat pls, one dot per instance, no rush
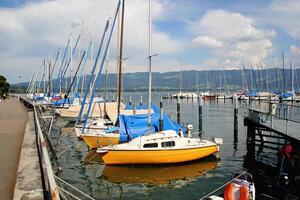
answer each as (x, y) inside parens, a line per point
(158, 148)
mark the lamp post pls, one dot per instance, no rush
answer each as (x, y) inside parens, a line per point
(19, 88)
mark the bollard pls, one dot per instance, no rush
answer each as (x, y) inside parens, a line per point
(200, 119)
(141, 100)
(113, 98)
(178, 112)
(130, 103)
(235, 131)
(161, 117)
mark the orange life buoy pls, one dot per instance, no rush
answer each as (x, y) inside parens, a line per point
(229, 192)
(244, 193)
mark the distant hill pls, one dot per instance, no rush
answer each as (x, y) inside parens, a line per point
(212, 79)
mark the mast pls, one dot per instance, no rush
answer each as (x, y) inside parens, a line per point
(197, 82)
(118, 50)
(180, 75)
(292, 75)
(120, 58)
(150, 68)
(283, 72)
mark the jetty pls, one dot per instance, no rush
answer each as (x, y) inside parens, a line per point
(19, 170)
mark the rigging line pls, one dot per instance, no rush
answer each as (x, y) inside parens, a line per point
(66, 96)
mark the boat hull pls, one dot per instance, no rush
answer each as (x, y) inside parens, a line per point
(94, 141)
(117, 157)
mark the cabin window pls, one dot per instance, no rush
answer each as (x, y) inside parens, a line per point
(150, 145)
(168, 144)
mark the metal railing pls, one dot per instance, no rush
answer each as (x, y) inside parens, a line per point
(48, 175)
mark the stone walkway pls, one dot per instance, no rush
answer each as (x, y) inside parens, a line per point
(13, 119)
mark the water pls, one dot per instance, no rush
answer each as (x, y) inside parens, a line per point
(181, 181)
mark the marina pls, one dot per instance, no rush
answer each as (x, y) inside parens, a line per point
(148, 99)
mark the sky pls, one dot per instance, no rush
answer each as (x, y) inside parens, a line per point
(200, 34)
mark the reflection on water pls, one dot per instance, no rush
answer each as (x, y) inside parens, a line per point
(154, 174)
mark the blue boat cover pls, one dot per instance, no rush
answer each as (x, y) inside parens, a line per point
(112, 129)
(60, 102)
(132, 126)
(286, 95)
(252, 93)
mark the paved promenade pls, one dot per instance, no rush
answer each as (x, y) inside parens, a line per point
(13, 119)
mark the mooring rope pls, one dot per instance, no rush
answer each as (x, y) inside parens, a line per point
(68, 184)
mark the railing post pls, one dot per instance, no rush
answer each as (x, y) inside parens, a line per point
(178, 111)
(235, 130)
(200, 118)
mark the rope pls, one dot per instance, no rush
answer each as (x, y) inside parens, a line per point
(222, 186)
(68, 184)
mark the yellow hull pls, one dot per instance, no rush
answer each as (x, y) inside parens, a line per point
(99, 141)
(115, 157)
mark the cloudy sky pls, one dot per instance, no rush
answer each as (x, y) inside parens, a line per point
(206, 34)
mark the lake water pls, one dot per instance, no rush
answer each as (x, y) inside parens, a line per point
(190, 180)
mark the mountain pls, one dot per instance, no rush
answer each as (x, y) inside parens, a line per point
(211, 79)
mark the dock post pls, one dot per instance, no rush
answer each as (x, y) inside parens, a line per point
(178, 111)
(113, 98)
(271, 114)
(235, 119)
(130, 100)
(217, 98)
(161, 117)
(200, 118)
(141, 100)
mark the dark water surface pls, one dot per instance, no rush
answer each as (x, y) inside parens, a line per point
(181, 181)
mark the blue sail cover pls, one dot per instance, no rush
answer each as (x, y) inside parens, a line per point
(252, 93)
(60, 102)
(132, 126)
(286, 95)
(68, 100)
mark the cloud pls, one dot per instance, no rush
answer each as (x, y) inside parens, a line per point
(295, 50)
(236, 34)
(285, 14)
(206, 42)
(36, 27)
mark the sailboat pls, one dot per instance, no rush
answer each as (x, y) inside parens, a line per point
(165, 146)
(97, 132)
(181, 94)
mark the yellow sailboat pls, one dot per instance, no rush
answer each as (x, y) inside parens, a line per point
(159, 148)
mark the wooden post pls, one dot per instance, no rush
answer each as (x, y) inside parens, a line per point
(141, 101)
(235, 119)
(134, 111)
(200, 118)
(130, 103)
(161, 117)
(178, 111)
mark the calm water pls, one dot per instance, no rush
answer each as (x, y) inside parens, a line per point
(183, 181)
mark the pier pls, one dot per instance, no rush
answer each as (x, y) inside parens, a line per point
(274, 140)
(20, 175)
